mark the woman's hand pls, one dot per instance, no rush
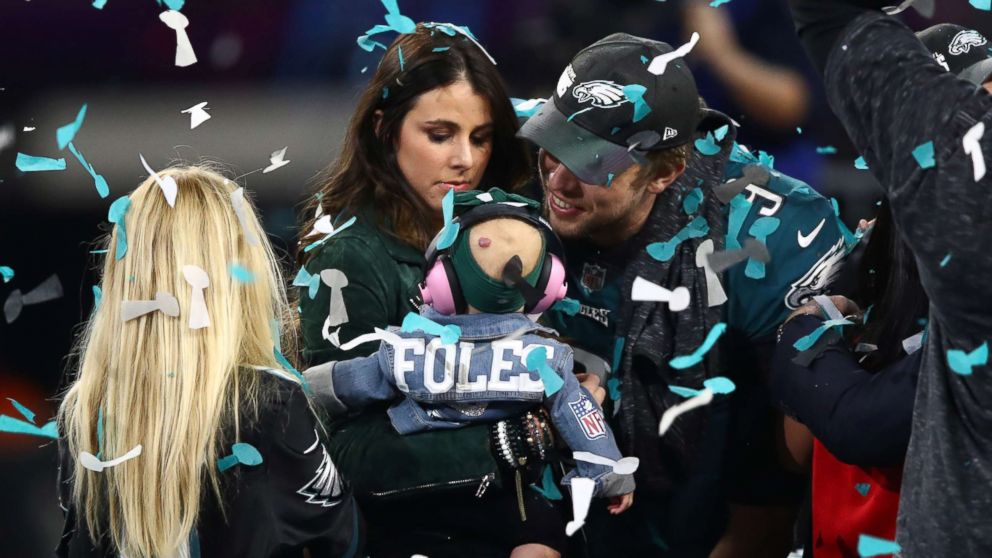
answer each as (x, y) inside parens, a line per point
(620, 504)
(844, 305)
(591, 383)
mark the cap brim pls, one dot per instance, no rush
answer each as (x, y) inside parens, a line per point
(592, 159)
(979, 72)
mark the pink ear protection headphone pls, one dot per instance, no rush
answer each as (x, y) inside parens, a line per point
(441, 289)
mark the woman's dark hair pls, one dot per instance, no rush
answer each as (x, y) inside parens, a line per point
(366, 173)
(890, 285)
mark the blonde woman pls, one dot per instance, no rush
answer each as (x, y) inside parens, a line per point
(182, 435)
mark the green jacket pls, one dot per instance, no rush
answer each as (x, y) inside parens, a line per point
(382, 274)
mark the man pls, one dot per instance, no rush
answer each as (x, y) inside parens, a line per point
(892, 96)
(634, 171)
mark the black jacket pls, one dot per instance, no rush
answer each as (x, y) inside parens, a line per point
(862, 417)
(293, 500)
(891, 97)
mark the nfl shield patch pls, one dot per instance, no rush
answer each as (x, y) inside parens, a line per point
(593, 276)
(589, 417)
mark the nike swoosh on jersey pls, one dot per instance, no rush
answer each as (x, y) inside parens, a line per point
(806, 240)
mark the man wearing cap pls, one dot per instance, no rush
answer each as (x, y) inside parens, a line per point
(893, 95)
(643, 182)
(961, 51)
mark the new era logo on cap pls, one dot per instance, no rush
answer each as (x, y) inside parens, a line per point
(669, 133)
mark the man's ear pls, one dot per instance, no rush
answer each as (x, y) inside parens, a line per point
(377, 121)
(665, 179)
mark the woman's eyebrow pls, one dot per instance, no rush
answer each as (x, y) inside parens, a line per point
(484, 128)
(446, 123)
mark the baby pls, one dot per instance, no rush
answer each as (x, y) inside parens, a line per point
(485, 360)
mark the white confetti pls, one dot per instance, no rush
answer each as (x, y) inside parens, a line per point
(972, 147)
(644, 290)
(277, 160)
(668, 418)
(164, 302)
(660, 62)
(89, 461)
(197, 114)
(184, 49)
(197, 278)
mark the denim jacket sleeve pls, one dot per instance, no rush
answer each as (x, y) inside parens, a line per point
(348, 386)
(580, 422)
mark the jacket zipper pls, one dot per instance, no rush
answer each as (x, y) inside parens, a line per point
(483, 485)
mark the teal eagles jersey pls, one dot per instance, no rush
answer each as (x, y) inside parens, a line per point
(807, 248)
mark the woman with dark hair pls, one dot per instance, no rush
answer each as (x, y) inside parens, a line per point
(434, 118)
(854, 399)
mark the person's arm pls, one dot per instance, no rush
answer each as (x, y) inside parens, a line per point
(778, 94)
(365, 300)
(348, 386)
(863, 418)
(892, 97)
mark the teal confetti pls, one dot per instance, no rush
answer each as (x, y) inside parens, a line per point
(17, 426)
(850, 239)
(99, 4)
(537, 359)
(692, 200)
(99, 433)
(707, 145)
(450, 231)
(548, 488)
(399, 54)
(804, 343)
(946, 260)
(173, 4)
(115, 215)
(25, 412)
(635, 94)
(874, 546)
(98, 180)
(617, 353)
(862, 488)
(97, 297)
(311, 282)
(99, 251)
(525, 108)
(284, 362)
(644, 59)
(439, 49)
(614, 130)
(685, 361)
(683, 391)
(985, 5)
(613, 387)
(766, 159)
(337, 230)
(924, 155)
(860, 163)
(663, 251)
(30, 163)
(7, 273)
(65, 134)
(385, 92)
(449, 334)
(720, 385)
(718, 3)
(241, 453)
(962, 362)
(241, 274)
(826, 150)
(568, 306)
(721, 132)
(799, 130)
(761, 229)
(739, 209)
(609, 179)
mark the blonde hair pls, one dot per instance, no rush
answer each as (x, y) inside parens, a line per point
(508, 237)
(158, 383)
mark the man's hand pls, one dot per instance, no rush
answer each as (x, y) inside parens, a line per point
(591, 383)
(620, 504)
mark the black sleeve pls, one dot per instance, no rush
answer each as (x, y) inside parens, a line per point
(820, 24)
(863, 418)
(892, 97)
(312, 505)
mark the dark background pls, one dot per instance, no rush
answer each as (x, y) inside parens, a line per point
(275, 74)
